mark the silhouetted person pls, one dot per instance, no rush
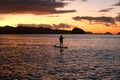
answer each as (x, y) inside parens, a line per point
(61, 40)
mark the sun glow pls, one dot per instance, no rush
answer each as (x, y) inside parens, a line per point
(64, 14)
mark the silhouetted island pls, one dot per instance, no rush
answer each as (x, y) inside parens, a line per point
(78, 31)
(118, 33)
(37, 30)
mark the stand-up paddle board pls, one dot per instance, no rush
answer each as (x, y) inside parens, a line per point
(60, 46)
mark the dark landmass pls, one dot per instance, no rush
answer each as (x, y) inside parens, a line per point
(38, 30)
(78, 31)
(118, 33)
(108, 33)
(43, 30)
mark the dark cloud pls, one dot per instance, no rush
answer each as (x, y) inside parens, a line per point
(83, 0)
(36, 25)
(104, 20)
(32, 6)
(117, 18)
(117, 4)
(106, 10)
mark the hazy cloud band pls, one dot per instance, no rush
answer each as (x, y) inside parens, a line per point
(105, 20)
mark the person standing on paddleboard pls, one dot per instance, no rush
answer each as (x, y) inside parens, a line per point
(61, 40)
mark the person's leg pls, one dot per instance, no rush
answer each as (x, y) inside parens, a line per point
(61, 44)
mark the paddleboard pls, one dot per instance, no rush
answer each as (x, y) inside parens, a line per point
(60, 46)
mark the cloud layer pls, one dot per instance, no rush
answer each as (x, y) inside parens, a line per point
(118, 18)
(104, 20)
(117, 4)
(32, 6)
(83, 0)
(53, 26)
(106, 10)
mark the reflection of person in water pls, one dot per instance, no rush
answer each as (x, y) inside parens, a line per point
(61, 40)
(61, 60)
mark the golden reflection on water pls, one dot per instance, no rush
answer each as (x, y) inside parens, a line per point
(33, 57)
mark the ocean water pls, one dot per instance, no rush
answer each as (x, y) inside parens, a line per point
(33, 57)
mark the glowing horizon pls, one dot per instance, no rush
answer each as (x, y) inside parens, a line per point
(58, 12)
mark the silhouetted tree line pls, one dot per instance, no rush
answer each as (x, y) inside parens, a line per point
(37, 30)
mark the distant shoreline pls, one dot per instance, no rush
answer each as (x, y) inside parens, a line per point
(42, 30)
(37, 30)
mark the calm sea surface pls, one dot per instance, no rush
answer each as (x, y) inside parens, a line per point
(33, 57)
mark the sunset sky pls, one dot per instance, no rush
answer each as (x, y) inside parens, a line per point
(97, 16)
